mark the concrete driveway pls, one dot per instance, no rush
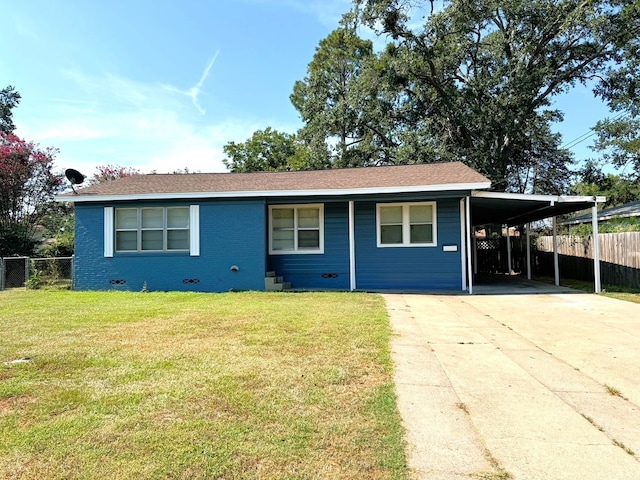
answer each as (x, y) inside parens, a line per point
(524, 386)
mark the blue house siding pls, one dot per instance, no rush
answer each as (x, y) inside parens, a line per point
(329, 270)
(231, 233)
(408, 268)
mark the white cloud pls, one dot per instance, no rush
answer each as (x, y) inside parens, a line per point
(114, 120)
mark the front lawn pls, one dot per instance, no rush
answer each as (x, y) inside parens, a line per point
(185, 385)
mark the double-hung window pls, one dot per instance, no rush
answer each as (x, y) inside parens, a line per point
(406, 224)
(152, 229)
(296, 229)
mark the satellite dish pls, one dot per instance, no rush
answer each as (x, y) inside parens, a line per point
(74, 177)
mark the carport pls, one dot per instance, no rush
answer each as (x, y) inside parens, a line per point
(514, 209)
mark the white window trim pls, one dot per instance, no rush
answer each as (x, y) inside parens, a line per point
(406, 226)
(194, 232)
(295, 251)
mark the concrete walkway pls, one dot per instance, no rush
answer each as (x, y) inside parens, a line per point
(525, 387)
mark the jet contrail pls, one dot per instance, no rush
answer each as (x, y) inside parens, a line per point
(194, 91)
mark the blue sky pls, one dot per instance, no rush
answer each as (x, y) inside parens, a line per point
(165, 85)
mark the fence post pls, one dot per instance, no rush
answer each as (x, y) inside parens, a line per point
(2, 274)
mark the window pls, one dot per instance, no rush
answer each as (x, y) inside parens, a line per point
(152, 229)
(407, 224)
(296, 229)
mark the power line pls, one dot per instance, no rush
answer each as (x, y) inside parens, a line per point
(576, 141)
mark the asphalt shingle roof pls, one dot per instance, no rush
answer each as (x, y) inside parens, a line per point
(409, 176)
(631, 209)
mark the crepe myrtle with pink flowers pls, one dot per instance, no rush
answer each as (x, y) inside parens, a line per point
(29, 185)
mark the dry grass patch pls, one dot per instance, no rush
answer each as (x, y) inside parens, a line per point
(183, 385)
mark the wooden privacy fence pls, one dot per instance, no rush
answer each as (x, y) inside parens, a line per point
(619, 257)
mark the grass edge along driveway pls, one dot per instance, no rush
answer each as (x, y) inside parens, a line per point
(247, 385)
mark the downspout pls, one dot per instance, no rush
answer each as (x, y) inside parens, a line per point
(352, 247)
(596, 248)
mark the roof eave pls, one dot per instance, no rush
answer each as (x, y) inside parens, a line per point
(272, 193)
(541, 198)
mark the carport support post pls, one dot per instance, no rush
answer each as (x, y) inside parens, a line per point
(596, 248)
(463, 245)
(508, 251)
(528, 251)
(556, 268)
(468, 221)
(475, 253)
(352, 246)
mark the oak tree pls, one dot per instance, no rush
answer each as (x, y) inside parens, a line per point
(475, 80)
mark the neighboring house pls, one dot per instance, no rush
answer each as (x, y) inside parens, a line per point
(395, 227)
(627, 210)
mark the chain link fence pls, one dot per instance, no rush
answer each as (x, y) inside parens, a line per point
(16, 272)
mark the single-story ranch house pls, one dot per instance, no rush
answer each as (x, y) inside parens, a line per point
(378, 228)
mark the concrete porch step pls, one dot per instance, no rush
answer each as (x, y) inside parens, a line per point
(273, 283)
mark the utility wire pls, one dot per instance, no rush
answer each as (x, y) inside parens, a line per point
(576, 141)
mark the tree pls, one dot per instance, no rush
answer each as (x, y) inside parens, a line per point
(28, 186)
(475, 81)
(106, 173)
(268, 151)
(337, 102)
(9, 99)
(619, 140)
(619, 137)
(58, 226)
(617, 188)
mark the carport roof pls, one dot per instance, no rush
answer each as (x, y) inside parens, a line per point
(517, 208)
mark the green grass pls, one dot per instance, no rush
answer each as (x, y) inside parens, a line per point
(612, 291)
(185, 385)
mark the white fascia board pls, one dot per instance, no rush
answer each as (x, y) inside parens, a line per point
(580, 199)
(273, 193)
(514, 196)
(537, 197)
(572, 198)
